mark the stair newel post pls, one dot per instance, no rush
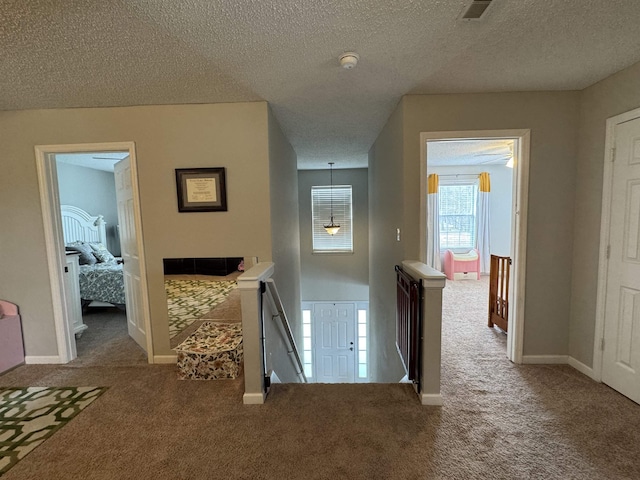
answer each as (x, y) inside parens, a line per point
(251, 287)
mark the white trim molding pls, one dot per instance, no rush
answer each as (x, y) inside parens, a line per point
(582, 368)
(51, 217)
(515, 335)
(432, 399)
(559, 360)
(42, 359)
(605, 226)
(253, 398)
(165, 359)
(545, 359)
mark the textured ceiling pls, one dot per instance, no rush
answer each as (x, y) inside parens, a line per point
(74, 53)
(98, 161)
(453, 153)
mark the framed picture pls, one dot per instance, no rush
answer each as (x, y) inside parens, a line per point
(201, 189)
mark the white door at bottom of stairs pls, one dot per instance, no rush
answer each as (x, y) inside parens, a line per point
(621, 356)
(334, 352)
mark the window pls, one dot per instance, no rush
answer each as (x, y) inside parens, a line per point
(362, 364)
(321, 200)
(307, 350)
(458, 215)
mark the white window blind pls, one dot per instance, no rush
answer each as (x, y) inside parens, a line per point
(458, 215)
(342, 215)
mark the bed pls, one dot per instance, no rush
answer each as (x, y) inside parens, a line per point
(101, 277)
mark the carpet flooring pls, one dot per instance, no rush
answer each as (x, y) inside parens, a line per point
(106, 341)
(499, 421)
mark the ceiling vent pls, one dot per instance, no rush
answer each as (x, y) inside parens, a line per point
(475, 10)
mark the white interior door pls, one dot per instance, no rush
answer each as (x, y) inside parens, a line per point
(130, 255)
(621, 356)
(334, 332)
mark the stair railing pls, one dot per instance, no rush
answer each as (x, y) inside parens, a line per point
(280, 317)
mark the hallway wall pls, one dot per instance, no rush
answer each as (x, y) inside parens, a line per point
(234, 136)
(335, 276)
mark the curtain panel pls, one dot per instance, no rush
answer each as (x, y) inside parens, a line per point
(433, 223)
(482, 222)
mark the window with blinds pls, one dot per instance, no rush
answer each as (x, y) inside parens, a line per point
(321, 216)
(457, 215)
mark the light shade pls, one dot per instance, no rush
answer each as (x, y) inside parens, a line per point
(332, 229)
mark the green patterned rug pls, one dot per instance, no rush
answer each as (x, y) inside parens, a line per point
(28, 416)
(188, 300)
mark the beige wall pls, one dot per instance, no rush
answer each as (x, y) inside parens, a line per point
(234, 136)
(285, 237)
(385, 215)
(343, 277)
(552, 118)
(612, 96)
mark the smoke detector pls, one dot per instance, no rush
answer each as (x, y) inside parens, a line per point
(349, 60)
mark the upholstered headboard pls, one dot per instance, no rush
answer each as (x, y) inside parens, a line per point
(79, 226)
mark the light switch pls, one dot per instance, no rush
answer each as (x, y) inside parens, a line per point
(397, 234)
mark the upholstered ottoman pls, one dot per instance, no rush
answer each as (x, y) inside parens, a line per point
(212, 352)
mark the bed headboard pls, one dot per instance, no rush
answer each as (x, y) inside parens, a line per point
(79, 226)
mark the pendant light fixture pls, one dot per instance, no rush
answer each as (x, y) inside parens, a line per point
(332, 228)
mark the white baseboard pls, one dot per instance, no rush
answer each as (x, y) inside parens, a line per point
(165, 359)
(559, 360)
(434, 399)
(545, 359)
(42, 359)
(582, 368)
(253, 398)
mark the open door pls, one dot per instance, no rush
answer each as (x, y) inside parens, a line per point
(621, 340)
(130, 256)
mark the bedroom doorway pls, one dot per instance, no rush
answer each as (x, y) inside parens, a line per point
(125, 226)
(459, 171)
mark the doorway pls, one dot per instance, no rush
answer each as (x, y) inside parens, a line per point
(335, 342)
(506, 154)
(131, 246)
(616, 358)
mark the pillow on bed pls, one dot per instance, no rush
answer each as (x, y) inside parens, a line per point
(101, 253)
(86, 253)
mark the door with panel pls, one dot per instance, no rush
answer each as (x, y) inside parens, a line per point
(621, 356)
(129, 247)
(334, 339)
